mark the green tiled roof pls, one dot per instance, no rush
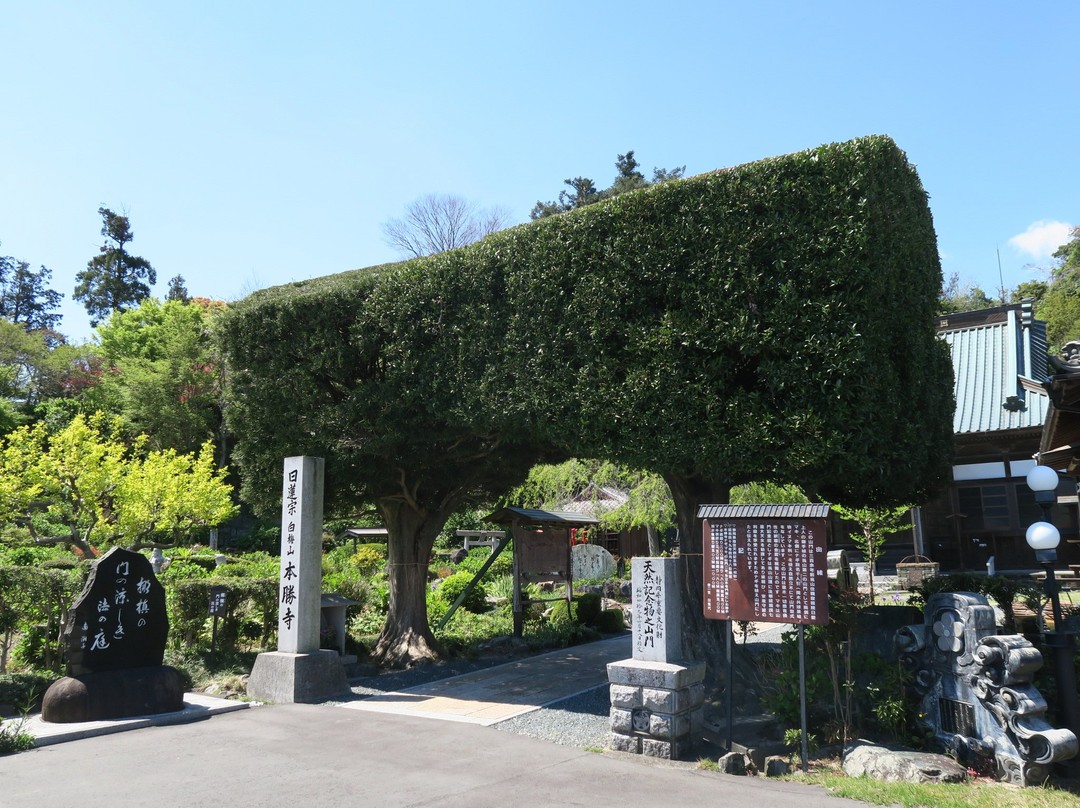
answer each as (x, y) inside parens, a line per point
(999, 362)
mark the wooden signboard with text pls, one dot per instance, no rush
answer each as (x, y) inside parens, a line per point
(766, 562)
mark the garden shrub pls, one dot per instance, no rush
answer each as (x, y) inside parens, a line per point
(610, 621)
(562, 613)
(24, 691)
(478, 556)
(452, 587)
(1002, 590)
(589, 608)
(34, 601)
(369, 558)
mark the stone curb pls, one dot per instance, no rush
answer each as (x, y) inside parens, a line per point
(197, 707)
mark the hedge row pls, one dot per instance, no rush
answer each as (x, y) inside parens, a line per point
(773, 320)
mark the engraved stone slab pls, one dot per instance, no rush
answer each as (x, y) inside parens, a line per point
(119, 621)
(657, 607)
(589, 561)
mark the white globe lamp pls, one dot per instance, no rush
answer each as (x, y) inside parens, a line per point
(1043, 536)
(1042, 478)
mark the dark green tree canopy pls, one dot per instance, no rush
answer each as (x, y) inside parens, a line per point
(25, 296)
(114, 280)
(1059, 304)
(177, 290)
(583, 191)
(770, 321)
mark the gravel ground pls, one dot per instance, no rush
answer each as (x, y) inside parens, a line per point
(582, 721)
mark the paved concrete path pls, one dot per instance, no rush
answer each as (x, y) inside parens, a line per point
(504, 691)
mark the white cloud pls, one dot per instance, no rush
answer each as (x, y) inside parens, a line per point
(1041, 239)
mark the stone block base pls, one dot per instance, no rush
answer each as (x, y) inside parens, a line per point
(656, 707)
(284, 678)
(104, 695)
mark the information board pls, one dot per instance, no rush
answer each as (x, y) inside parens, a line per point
(772, 570)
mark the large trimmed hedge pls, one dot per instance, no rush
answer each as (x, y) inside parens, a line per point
(773, 319)
(769, 321)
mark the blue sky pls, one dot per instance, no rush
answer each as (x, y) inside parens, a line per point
(255, 143)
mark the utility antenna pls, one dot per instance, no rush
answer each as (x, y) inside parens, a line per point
(1001, 279)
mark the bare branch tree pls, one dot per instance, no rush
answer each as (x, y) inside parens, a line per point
(439, 222)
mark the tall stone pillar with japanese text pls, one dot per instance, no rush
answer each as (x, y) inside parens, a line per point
(300, 583)
(299, 671)
(657, 697)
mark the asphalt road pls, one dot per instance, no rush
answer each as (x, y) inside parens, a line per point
(322, 755)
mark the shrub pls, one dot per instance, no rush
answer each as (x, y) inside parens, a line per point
(24, 691)
(610, 621)
(478, 556)
(13, 737)
(589, 608)
(369, 558)
(451, 588)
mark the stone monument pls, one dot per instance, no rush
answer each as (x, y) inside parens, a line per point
(976, 692)
(115, 638)
(657, 697)
(299, 671)
(590, 562)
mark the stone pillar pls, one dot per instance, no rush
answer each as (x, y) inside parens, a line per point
(656, 697)
(299, 671)
(300, 582)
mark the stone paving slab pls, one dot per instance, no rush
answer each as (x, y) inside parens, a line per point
(495, 694)
(197, 707)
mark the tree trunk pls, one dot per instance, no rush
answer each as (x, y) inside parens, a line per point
(654, 540)
(406, 638)
(702, 639)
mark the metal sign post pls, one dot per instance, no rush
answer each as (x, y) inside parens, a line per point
(802, 697)
(769, 563)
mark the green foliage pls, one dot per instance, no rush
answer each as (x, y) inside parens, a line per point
(1059, 306)
(793, 739)
(25, 297)
(589, 607)
(467, 519)
(772, 320)
(161, 376)
(14, 737)
(956, 297)
(201, 667)
(610, 621)
(1004, 591)
(648, 499)
(251, 617)
(767, 493)
(24, 691)
(451, 588)
(113, 279)
(876, 525)
(90, 487)
(34, 602)
(583, 191)
(478, 556)
(369, 558)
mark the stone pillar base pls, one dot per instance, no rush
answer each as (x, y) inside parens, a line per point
(656, 707)
(284, 678)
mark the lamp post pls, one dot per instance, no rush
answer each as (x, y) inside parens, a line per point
(1044, 538)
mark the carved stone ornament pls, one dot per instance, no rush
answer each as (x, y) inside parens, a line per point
(976, 692)
(1069, 361)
